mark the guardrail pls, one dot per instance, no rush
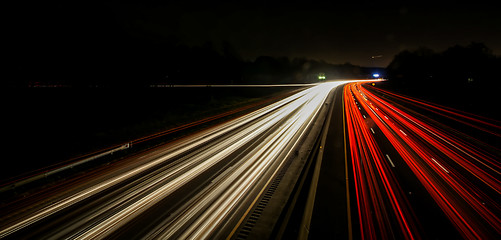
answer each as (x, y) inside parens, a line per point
(57, 170)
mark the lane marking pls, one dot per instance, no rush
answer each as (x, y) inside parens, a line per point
(440, 165)
(304, 228)
(403, 132)
(389, 159)
(373, 131)
(364, 116)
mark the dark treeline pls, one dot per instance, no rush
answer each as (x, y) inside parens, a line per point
(470, 65)
(79, 46)
(463, 76)
(129, 62)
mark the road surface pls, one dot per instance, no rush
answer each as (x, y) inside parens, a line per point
(196, 187)
(415, 177)
(392, 167)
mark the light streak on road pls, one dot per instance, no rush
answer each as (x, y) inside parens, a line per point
(459, 172)
(383, 209)
(479, 122)
(224, 163)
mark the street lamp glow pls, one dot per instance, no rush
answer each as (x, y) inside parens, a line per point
(375, 75)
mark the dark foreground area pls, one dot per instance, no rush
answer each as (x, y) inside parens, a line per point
(47, 126)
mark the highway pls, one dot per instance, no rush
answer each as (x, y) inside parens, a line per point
(199, 186)
(413, 176)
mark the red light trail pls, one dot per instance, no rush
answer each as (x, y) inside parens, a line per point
(461, 176)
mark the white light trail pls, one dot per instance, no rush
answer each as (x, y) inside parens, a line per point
(287, 120)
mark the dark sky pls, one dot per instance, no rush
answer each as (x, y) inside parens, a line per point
(334, 32)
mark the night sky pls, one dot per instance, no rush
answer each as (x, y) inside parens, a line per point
(334, 32)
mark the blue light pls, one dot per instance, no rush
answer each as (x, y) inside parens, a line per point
(376, 75)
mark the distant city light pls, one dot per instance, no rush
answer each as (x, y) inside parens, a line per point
(376, 75)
